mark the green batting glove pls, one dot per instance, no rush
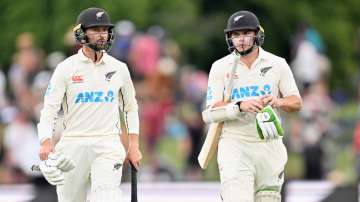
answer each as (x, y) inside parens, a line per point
(268, 124)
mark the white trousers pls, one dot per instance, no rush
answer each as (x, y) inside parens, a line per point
(248, 168)
(98, 164)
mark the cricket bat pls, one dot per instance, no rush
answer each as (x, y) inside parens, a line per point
(210, 145)
(125, 141)
(134, 195)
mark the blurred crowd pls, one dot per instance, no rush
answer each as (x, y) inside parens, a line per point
(170, 95)
(310, 128)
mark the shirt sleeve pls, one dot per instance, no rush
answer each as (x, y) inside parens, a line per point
(287, 84)
(128, 104)
(53, 99)
(215, 90)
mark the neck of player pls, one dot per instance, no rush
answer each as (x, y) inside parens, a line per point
(250, 58)
(95, 56)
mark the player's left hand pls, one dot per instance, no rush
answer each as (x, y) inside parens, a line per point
(270, 100)
(134, 156)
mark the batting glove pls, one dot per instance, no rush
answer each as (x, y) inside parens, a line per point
(61, 161)
(51, 173)
(268, 124)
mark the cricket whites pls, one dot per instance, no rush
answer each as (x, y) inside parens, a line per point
(213, 135)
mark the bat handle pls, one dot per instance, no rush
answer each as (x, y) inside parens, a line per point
(133, 183)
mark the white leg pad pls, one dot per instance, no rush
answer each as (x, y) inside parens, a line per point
(109, 193)
(237, 186)
(268, 196)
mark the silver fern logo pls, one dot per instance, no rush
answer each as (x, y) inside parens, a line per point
(109, 75)
(264, 70)
(99, 15)
(238, 17)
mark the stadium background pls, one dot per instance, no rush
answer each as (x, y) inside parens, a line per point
(169, 46)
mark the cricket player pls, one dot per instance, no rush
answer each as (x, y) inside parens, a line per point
(251, 154)
(91, 87)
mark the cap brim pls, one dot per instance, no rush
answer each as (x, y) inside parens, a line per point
(242, 28)
(99, 25)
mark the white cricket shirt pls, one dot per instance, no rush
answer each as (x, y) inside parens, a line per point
(91, 96)
(269, 74)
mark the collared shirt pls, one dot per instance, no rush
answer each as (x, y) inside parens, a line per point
(91, 95)
(268, 75)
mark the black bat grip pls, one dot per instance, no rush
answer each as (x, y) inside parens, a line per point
(133, 183)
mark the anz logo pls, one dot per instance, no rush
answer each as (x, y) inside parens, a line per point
(250, 91)
(94, 97)
(209, 95)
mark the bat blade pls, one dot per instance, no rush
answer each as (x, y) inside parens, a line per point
(210, 145)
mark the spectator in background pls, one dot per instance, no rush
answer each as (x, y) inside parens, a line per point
(22, 72)
(156, 98)
(71, 46)
(193, 89)
(24, 41)
(356, 147)
(3, 97)
(144, 55)
(356, 136)
(3, 103)
(21, 148)
(309, 61)
(171, 49)
(21, 152)
(42, 79)
(313, 125)
(125, 31)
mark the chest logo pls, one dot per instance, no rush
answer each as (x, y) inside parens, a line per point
(94, 97)
(234, 76)
(250, 91)
(109, 75)
(264, 70)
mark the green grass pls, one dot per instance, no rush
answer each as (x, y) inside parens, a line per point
(294, 166)
(168, 151)
(345, 164)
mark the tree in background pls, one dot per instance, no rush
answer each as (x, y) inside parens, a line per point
(197, 26)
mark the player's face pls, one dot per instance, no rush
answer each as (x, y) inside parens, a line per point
(97, 35)
(243, 39)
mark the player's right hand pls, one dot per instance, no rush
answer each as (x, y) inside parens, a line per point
(61, 161)
(253, 105)
(134, 156)
(46, 148)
